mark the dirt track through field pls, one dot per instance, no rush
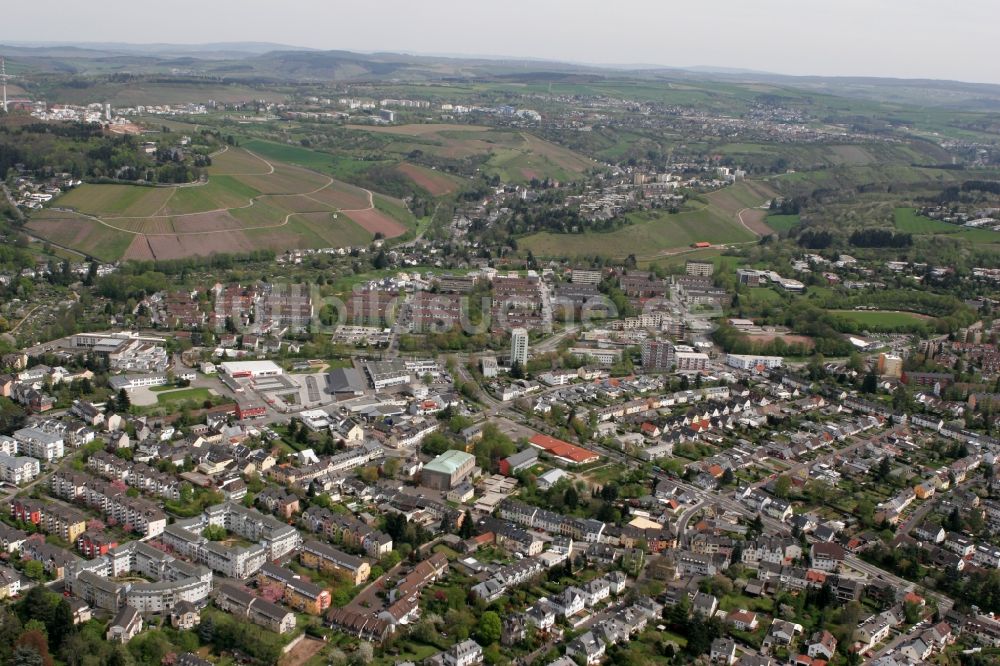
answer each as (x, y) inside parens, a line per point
(754, 221)
(250, 204)
(184, 234)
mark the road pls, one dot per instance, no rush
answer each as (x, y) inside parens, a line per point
(852, 561)
(43, 477)
(725, 500)
(682, 533)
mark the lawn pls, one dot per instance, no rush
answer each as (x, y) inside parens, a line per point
(183, 395)
(605, 474)
(650, 235)
(883, 318)
(408, 651)
(782, 223)
(448, 552)
(908, 220)
(761, 295)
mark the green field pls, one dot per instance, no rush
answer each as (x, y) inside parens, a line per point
(80, 233)
(117, 200)
(514, 156)
(338, 166)
(761, 296)
(183, 395)
(652, 234)
(908, 220)
(782, 223)
(248, 203)
(883, 318)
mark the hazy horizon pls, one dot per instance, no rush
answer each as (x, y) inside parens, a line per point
(915, 40)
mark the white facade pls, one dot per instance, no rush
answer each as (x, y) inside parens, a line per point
(39, 444)
(18, 470)
(750, 361)
(489, 366)
(519, 346)
(252, 369)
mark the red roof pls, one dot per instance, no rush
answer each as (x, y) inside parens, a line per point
(562, 449)
(814, 576)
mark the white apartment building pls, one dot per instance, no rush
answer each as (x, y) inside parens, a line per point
(519, 346)
(18, 469)
(41, 444)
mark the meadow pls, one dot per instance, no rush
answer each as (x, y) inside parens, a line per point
(782, 223)
(908, 220)
(651, 235)
(513, 156)
(883, 319)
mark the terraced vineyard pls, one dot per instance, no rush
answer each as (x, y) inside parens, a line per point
(247, 203)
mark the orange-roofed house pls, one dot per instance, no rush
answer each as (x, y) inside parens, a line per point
(806, 660)
(743, 620)
(564, 451)
(815, 578)
(914, 598)
(650, 429)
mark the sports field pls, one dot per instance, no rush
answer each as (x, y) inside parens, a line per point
(248, 202)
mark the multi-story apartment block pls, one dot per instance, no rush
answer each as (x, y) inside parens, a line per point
(316, 555)
(39, 443)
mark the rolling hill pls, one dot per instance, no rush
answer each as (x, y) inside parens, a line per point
(248, 203)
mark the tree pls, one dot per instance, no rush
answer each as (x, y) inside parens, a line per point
(870, 383)
(467, 529)
(782, 486)
(911, 611)
(214, 533)
(884, 469)
(25, 655)
(34, 570)
(953, 523)
(571, 498)
(61, 625)
(123, 403)
(728, 478)
(390, 468)
(490, 628)
(32, 649)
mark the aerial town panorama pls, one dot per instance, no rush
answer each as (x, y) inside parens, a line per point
(318, 357)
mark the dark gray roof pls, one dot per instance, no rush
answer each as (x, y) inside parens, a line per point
(346, 380)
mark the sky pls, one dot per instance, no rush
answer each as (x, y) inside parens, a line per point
(898, 38)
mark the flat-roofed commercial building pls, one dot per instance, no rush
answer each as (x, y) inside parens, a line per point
(448, 470)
